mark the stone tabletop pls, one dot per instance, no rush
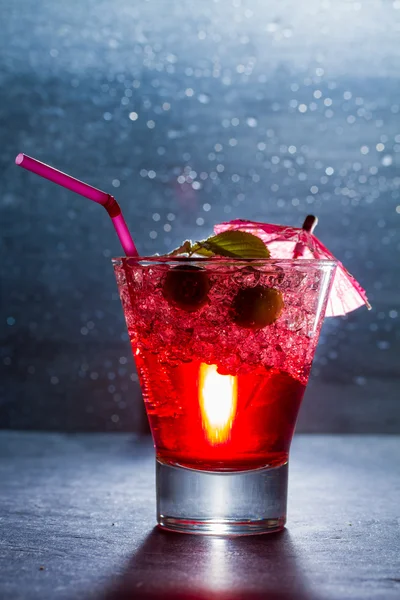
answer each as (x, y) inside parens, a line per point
(77, 520)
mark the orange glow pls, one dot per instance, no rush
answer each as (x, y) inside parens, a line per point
(218, 401)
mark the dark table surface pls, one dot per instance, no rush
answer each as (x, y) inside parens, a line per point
(77, 516)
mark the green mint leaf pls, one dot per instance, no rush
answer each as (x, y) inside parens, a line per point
(201, 250)
(185, 248)
(232, 244)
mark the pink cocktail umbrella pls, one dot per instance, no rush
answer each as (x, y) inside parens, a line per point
(294, 242)
(83, 189)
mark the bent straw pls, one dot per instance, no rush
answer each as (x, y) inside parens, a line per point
(83, 189)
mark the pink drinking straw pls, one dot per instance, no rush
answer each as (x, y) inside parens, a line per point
(106, 200)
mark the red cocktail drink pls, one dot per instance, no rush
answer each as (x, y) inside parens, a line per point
(223, 349)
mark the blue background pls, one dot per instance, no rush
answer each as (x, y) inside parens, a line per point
(192, 113)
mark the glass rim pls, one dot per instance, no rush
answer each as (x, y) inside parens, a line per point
(318, 262)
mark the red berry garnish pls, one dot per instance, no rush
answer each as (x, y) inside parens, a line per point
(257, 307)
(187, 287)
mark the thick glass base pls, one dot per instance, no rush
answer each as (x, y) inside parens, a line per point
(233, 503)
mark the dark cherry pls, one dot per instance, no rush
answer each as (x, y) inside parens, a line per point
(257, 307)
(187, 287)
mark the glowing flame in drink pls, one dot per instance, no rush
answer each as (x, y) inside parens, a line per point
(218, 400)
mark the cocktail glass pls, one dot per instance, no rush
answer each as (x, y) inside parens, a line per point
(223, 380)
